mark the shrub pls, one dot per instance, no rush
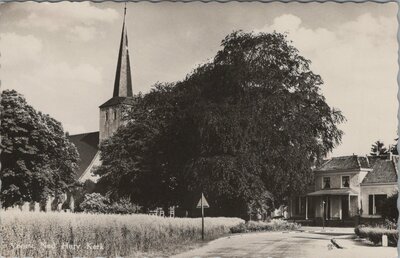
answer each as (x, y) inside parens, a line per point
(124, 206)
(257, 226)
(374, 234)
(80, 191)
(389, 224)
(96, 203)
(357, 231)
(273, 225)
(240, 228)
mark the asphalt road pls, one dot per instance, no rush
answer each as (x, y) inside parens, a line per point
(307, 244)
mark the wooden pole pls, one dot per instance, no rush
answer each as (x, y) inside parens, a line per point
(202, 217)
(306, 207)
(349, 215)
(323, 216)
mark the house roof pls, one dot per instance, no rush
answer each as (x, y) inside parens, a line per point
(383, 171)
(344, 163)
(87, 146)
(334, 191)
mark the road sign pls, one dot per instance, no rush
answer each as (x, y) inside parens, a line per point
(202, 202)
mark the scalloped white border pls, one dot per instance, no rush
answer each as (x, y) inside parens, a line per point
(263, 1)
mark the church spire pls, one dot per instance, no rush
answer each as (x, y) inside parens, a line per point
(123, 80)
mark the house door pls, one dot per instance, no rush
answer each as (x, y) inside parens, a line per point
(345, 207)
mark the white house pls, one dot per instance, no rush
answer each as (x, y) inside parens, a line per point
(347, 186)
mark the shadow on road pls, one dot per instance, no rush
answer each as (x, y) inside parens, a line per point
(348, 235)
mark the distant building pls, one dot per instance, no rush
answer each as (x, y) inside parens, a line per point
(347, 186)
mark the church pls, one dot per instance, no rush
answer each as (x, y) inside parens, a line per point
(87, 144)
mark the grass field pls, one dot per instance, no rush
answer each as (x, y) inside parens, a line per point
(35, 234)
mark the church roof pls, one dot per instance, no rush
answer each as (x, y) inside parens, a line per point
(87, 146)
(123, 78)
(116, 101)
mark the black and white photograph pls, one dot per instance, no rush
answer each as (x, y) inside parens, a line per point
(199, 129)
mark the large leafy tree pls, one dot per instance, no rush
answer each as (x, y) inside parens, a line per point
(250, 122)
(37, 158)
(137, 162)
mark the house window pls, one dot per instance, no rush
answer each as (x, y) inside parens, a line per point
(106, 115)
(115, 114)
(326, 182)
(345, 181)
(375, 203)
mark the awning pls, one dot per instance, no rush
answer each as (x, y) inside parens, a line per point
(338, 191)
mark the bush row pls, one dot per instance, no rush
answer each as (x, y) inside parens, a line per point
(273, 225)
(374, 234)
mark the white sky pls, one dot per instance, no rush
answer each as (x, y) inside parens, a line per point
(62, 56)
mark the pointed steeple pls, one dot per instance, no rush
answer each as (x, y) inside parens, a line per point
(123, 80)
(111, 112)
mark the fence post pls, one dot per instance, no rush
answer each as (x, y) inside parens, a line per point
(384, 240)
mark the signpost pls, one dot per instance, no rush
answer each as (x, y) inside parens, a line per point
(202, 204)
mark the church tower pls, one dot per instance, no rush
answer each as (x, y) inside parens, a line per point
(111, 110)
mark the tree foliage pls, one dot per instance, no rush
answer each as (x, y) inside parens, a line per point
(80, 192)
(248, 122)
(393, 149)
(378, 148)
(37, 158)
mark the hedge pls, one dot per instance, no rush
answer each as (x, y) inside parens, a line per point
(273, 225)
(374, 234)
